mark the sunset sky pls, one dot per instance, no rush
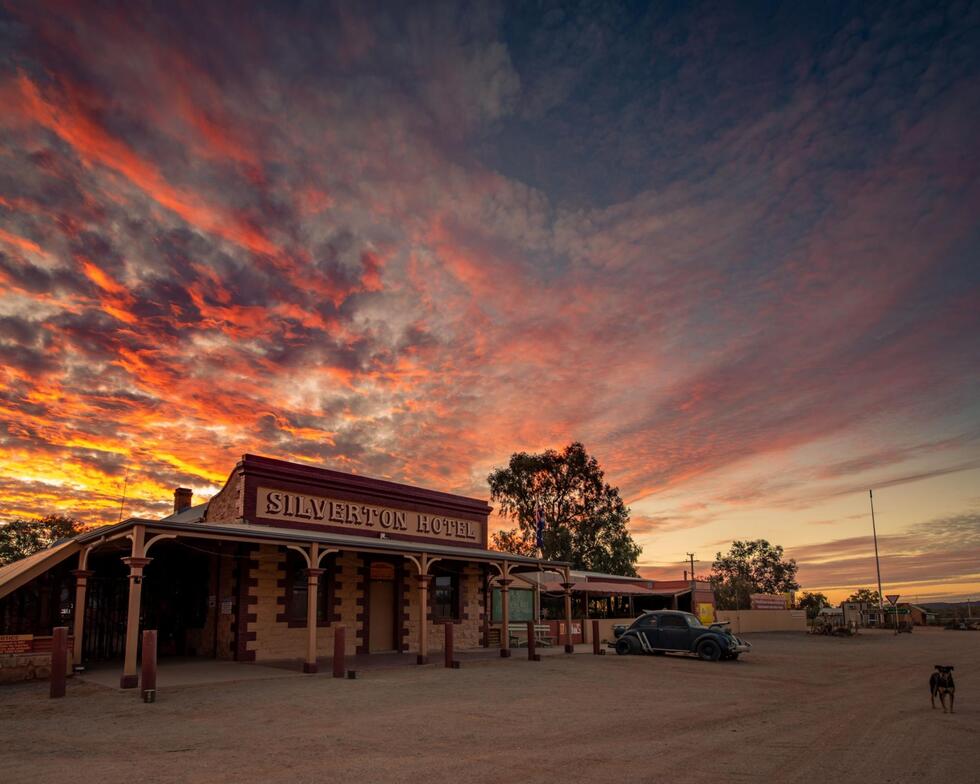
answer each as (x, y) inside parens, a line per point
(734, 249)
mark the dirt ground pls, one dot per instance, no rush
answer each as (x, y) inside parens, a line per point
(797, 709)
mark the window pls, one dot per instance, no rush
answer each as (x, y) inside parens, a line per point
(445, 597)
(297, 588)
(520, 605)
(674, 620)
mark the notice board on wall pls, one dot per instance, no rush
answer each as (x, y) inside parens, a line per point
(16, 643)
(520, 605)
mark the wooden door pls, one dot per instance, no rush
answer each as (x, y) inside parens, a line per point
(381, 620)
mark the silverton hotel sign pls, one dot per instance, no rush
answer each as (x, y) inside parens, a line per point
(296, 507)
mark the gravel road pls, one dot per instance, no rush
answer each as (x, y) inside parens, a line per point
(797, 709)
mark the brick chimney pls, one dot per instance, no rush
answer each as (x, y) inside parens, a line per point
(182, 498)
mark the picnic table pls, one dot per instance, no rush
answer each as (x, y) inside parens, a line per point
(542, 635)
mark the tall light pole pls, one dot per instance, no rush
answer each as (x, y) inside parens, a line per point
(874, 532)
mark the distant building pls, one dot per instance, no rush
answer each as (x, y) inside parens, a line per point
(919, 615)
(862, 614)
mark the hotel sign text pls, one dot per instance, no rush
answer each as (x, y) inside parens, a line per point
(295, 507)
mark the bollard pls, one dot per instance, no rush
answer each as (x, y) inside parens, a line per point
(451, 663)
(532, 643)
(148, 674)
(595, 639)
(59, 660)
(339, 652)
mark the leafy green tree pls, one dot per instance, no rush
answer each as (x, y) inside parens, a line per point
(865, 595)
(514, 541)
(812, 603)
(751, 567)
(20, 538)
(585, 519)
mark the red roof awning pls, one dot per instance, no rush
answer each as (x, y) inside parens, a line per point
(613, 588)
(609, 588)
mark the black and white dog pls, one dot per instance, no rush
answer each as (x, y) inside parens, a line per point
(941, 683)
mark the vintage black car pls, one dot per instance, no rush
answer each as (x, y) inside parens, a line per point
(673, 631)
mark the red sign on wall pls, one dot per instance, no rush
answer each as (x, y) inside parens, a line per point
(16, 643)
(768, 601)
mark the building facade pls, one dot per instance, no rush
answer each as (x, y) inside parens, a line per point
(269, 569)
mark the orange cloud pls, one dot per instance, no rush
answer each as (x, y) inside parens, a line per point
(93, 143)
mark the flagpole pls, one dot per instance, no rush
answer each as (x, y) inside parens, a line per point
(539, 541)
(874, 532)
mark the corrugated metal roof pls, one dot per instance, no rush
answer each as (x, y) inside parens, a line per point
(615, 578)
(624, 589)
(16, 574)
(192, 514)
(254, 532)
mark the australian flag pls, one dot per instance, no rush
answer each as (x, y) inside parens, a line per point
(539, 526)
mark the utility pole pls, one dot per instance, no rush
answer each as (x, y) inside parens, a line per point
(874, 532)
(693, 607)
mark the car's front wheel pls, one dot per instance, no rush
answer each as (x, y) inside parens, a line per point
(624, 646)
(709, 650)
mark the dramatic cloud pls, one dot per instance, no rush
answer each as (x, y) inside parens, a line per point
(945, 551)
(724, 247)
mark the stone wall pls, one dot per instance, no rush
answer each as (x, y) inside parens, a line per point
(226, 506)
(271, 637)
(16, 667)
(467, 631)
(278, 639)
(32, 665)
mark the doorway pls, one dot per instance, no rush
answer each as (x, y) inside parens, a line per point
(381, 607)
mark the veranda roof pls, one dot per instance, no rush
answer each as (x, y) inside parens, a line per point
(18, 573)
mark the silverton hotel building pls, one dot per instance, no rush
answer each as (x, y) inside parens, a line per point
(267, 570)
